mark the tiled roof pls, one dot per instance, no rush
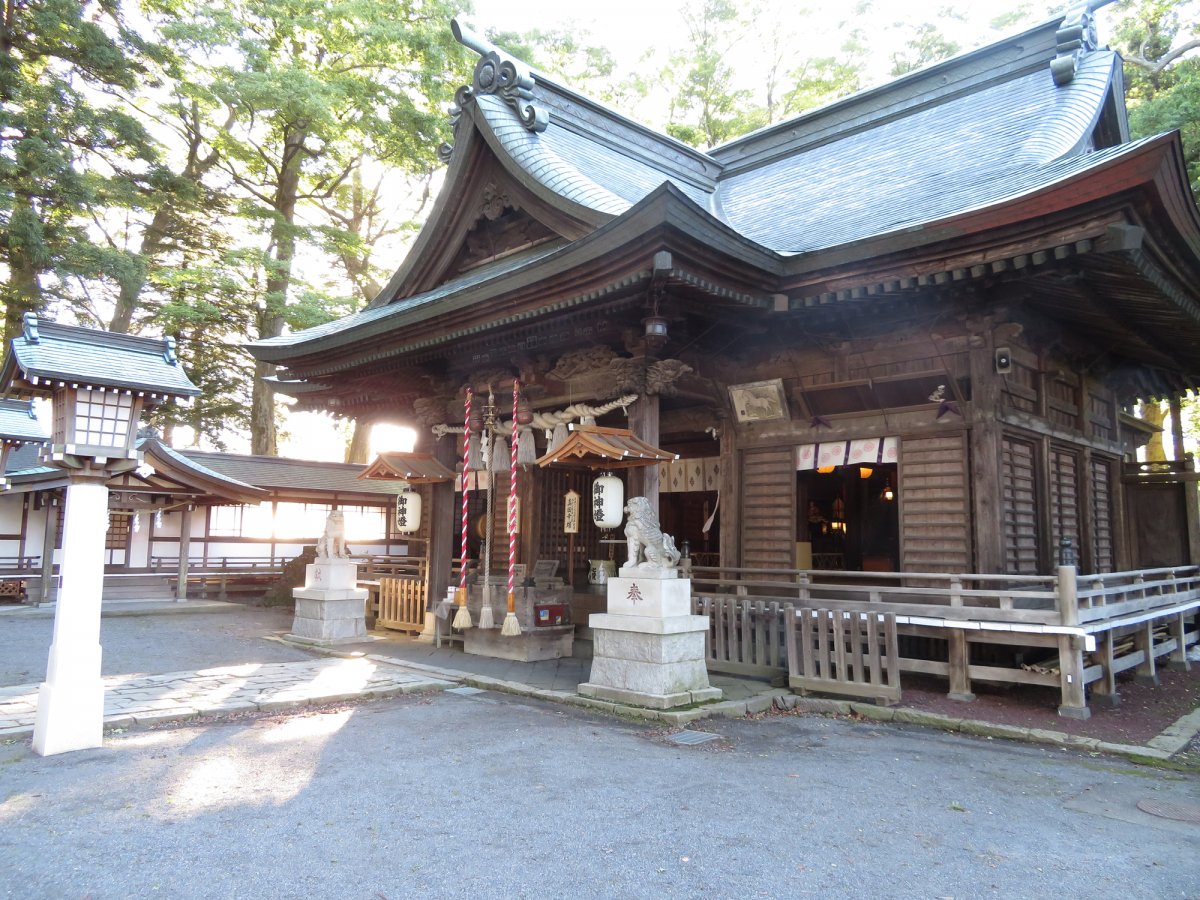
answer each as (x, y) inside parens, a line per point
(936, 161)
(18, 425)
(277, 473)
(46, 353)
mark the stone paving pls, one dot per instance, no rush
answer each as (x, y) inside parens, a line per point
(150, 699)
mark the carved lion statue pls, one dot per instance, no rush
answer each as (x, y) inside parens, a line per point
(332, 544)
(643, 536)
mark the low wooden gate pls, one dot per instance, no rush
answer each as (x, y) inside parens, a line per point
(847, 653)
(401, 604)
(745, 637)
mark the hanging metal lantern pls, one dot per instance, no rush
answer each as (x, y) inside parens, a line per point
(408, 509)
(608, 501)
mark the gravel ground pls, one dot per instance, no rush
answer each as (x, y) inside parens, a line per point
(154, 644)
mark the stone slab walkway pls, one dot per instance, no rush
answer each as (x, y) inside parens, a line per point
(152, 699)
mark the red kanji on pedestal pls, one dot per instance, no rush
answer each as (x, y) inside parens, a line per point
(635, 593)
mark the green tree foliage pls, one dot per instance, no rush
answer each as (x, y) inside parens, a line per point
(68, 148)
(706, 108)
(925, 45)
(1160, 42)
(301, 95)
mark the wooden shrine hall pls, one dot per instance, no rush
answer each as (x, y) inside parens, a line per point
(892, 345)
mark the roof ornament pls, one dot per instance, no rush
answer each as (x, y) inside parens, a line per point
(499, 74)
(1075, 37)
(29, 324)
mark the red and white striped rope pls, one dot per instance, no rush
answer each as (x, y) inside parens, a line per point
(512, 494)
(462, 575)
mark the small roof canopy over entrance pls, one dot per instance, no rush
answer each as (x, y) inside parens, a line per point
(605, 448)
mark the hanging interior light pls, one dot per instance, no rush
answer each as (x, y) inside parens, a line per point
(608, 500)
(825, 470)
(408, 509)
(888, 493)
(865, 472)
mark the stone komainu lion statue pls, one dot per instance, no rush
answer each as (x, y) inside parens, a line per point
(643, 536)
(332, 544)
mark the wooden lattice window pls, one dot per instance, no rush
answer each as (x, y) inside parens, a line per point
(554, 543)
(1103, 553)
(1064, 500)
(117, 536)
(1020, 507)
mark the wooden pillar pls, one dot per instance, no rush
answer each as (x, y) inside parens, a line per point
(49, 540)
(1143, 640)
(985, 458)
(1104, 691)
(1178, 661)
(185, 551)
(442, 547)
(959, 652)
(730, 537)
(643, 422)
(1070, 648)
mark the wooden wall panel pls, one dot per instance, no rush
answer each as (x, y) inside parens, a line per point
(935, 520)
(768, 502)
(1103, 550)
(1020, 506)
(1064, 501)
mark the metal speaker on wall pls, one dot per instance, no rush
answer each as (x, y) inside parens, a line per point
(408, 510)
(608, 501)
(1003, 360)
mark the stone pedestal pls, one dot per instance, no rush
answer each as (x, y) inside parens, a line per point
(648, 648)
(330, 609)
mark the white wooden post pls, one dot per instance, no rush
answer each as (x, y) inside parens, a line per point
(70, 712)
(1070, 649)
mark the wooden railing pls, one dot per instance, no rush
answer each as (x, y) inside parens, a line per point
(216, 563)
(1073, 617)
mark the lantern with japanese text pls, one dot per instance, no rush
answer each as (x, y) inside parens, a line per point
(408, 509)
(608, 501)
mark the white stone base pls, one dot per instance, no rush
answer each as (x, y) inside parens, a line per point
(329, 616)
(646, 595)
(70, 716)
(648, 649)
(331, 574)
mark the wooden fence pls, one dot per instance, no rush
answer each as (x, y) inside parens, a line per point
(401, 603)
(745, 637)
(834, 652)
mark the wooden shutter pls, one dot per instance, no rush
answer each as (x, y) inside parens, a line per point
(1064, 500)
(1019, 499)
(1103, 554)
(769, 508)
(935, 504)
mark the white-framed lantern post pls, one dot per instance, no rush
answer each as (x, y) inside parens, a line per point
(99, 383)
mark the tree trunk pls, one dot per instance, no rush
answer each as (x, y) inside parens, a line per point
(263, 432)
(359, 449)
(24, 289)
(1154, 414)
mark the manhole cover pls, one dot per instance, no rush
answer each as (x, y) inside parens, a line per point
(690, 738)
(464, 691)
(1180, 812)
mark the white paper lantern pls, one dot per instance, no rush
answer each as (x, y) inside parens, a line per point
(608, 501)
(408, 510)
